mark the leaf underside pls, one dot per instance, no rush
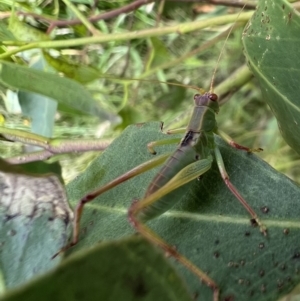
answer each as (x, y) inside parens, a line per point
(34, 219)
(271, 40)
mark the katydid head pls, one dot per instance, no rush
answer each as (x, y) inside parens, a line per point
(203, 118)
(209, 100)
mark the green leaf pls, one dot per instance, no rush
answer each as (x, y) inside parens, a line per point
(125, 270)
(208, 225)
(64, 90)
(294, 295)
(34, 224)
(160, 52)
(5, 33)
(80, 73)
(42, 168)
(129, 116)
(40, 109)
(175, 96)
(271, 40)
(25, 32)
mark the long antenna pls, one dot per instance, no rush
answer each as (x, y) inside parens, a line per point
(222, 49)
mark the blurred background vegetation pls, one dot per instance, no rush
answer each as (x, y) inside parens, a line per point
(107, 69)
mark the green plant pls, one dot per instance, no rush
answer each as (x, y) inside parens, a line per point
(208, 226)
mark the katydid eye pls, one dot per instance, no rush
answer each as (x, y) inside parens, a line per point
(213, 97)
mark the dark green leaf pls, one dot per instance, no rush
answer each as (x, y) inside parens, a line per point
(128, 270)
(42, 167)
(272, 42)
(208, 225)
(62, 89)
(129, 116)
(294, 295)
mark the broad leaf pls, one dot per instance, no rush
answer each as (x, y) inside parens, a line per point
(65, 91)
(128, 270)
(34, 224)
(271, 40)
(208, 225)
(40, 109)
(81, 73)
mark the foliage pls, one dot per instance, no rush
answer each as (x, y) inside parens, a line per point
(134, 265)
(208, 225)
(276, 28)
(87, 69)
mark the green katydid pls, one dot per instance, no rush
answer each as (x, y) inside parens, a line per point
(191, 159)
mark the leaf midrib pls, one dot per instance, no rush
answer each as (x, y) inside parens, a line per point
(214, 218)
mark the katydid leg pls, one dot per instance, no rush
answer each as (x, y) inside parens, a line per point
(170, 250)
(140, 210)
(232, 143)
(176, 131)
(153, 144)
(92, 195)
(235, 192)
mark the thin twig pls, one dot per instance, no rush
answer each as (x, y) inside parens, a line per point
(105, 16)
(52, 150)
(231, 3)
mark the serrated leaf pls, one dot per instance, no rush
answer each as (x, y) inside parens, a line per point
(271, 40)
(127, 270)
(208, 225)
(34, 223)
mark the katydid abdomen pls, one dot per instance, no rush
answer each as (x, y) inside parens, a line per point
(197, 144)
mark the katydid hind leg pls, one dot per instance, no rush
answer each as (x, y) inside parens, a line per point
(171, 251)
(124, 177)
(235, 192)
(234, 144)
(94, 194)
(138, 210)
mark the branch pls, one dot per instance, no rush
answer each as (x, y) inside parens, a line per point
(104, 16)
